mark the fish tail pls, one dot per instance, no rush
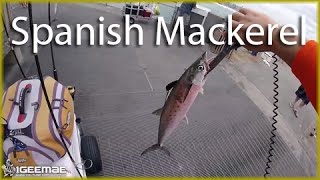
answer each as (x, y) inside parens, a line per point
(156, 147)
(164, 149)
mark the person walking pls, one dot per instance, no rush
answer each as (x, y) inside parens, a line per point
(300, 95)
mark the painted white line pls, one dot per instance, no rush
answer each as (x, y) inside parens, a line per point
(148, 80)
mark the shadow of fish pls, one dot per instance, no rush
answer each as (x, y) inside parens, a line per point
(180, 96)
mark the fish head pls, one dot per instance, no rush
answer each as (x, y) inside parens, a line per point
(196, 73)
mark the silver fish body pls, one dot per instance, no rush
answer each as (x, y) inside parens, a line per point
(180, 97)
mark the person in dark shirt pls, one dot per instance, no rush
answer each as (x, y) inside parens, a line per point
(185, 11)
(186, 8)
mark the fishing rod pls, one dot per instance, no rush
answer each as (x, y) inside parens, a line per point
(46, 93)
(214, 61)
(55, 73)
(12, 48)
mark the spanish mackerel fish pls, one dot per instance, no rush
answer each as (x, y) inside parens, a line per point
(180, 96)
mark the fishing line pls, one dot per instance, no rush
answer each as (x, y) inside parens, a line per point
(216, 60)
(275, 97)
(46, 94)
(12, 48)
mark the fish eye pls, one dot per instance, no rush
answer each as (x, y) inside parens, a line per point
(200, 68)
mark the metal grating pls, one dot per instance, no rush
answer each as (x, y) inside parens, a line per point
(220, 139)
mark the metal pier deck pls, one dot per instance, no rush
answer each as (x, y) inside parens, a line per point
(118, 88)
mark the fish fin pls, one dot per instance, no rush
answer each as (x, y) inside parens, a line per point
(201, 90)
(168, 93)
(171, 85)
(204, 56)
(186, 118)
(152, 148)
(156, 147)
(164, 149)
(157, 112)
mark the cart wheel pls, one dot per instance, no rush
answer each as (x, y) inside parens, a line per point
(131, 21)
(90, 153)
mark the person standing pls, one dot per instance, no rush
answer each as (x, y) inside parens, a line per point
(300, 95)
(186, 8)
(185, 11)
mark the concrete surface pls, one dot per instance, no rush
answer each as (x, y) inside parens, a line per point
(118, 88)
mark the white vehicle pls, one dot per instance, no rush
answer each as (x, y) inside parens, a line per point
(136, 11)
